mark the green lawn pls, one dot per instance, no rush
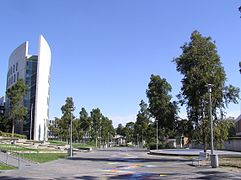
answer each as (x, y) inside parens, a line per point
(43, 157)
(75, 145)
(5, 167)
(12, 147)
(57, 142)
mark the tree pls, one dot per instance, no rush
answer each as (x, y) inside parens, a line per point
(223, 130)
(65, 122)
(107, 130)
(95, 116)
(85, 122)
(17, 111)
(119, 130)
(160, 106)
(200, 65)
(128, 132)
(142, 122)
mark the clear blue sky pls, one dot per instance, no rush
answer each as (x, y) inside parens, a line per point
(104, 51)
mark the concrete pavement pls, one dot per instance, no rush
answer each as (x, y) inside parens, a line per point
(120, 163)
(15, 161)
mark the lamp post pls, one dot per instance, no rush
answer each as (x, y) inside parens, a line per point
(71, 129)
(214, 157)
(157, 134)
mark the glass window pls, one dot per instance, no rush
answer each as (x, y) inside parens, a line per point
(16, 66)
(13, 68)
(17, 75)
(14, 78)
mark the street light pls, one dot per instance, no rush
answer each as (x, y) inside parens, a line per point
(71, 129)
(157, 134)
(214, 157)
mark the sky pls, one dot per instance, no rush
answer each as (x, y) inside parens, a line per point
(104, 52)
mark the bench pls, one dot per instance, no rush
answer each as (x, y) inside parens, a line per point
(203, 156)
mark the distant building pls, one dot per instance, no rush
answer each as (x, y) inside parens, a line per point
(2, 103)
(238, 126)
(35, 71)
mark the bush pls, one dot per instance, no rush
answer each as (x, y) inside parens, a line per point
(152, 146)
(20, 136)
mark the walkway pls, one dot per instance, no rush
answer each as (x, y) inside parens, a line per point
(120, 163)
(15, 161)
(193, 152)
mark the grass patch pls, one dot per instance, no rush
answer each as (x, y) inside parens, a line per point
(230, 162)
(43, 157)
(12, 147)
(57, 142)
(5, 167)
(80, 145)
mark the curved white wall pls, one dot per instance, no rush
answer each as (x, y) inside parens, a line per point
(42, 90)
(18, 56)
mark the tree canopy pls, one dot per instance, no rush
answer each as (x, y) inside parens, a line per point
(17, 111)
(200, 65)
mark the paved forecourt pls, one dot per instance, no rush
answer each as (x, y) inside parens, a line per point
(120, 163)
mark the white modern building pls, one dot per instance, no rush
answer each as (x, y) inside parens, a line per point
(35, 71)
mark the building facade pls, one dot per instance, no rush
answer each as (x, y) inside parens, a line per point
(35, 71)
(238, 126)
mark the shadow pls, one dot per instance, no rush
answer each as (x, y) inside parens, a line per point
(216, 175)
(127, 159)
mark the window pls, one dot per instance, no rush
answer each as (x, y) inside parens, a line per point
(13, 68)
(17, 75)
(14, 78)
(16, 66)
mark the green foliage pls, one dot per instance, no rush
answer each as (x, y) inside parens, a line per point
(20, 136)
(15, 95)
(142, 123)
(6, 167)
(107, 129)
(128, 132)
(43, 157)
(119, 129)
(152, 146)
(160, 105)
(223, 130)
(200, 65)
(95, 116)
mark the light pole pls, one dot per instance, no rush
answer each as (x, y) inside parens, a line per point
(71, 129)
(214, 157)
(157, 134)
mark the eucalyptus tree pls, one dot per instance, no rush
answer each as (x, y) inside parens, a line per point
(107, 130)
(128, 132)
(85, 122)
(67, 116)
(200, 65)
(119, 129)
(161, 108)
(17, 111)
(142, 122)
(95, 116)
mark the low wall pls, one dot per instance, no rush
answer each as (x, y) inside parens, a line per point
(233, 144)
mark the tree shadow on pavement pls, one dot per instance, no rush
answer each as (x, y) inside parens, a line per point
(127, 159)
(216, 175)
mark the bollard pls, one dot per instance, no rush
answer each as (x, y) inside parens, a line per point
(18, 161)
(214, 160)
